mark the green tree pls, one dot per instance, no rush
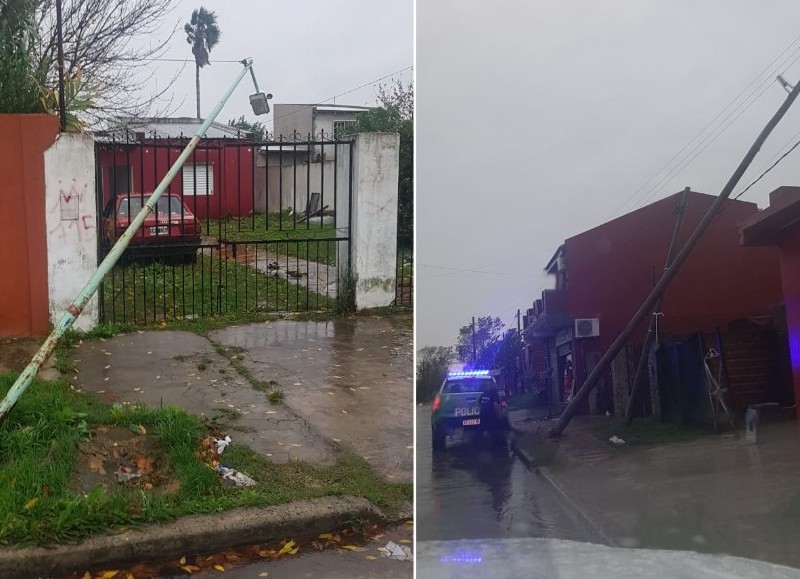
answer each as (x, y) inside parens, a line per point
(432, 363)
(482, 352)
(507, 358)
(396, 115)
(508, 349)
(203, 34)
(19, 76)
(23, 78)
(257, 129)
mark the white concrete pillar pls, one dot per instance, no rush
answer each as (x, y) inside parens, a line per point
(373, 233)
(69, 177)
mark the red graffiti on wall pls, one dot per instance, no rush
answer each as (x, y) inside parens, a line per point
(68, 209)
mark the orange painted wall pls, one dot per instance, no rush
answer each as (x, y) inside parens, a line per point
(23, 233)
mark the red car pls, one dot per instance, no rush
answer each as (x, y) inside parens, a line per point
(170, 230)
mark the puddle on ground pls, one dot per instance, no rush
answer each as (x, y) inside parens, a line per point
(351, 379)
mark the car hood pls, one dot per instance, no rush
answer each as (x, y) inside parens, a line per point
(513, 558)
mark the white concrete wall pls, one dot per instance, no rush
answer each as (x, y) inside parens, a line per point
(295, 177)
(376, 170)
(342, 209)
(290, 118)
(69, 175)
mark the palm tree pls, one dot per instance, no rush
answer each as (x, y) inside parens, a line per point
(202, 33)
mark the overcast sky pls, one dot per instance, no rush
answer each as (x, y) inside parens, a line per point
(303, 51)
(539, 120)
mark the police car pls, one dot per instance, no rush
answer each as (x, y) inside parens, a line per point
(470, 400)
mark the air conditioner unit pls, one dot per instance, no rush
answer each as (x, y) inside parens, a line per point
(587, 328)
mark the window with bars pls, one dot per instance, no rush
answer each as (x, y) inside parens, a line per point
(198, 179)
(338, 128)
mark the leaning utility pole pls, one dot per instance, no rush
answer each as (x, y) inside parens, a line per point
(474, 347)
(62, 105)
(645, 309)
(651, 331)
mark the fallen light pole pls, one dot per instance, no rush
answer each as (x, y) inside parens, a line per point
(655, 295)
(74, 310)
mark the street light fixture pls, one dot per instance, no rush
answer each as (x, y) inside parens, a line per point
(258, 101)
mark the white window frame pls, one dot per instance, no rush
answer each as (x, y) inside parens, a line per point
(338, 126)
(205, 174)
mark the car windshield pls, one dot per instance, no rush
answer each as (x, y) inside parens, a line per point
(466, 385)
(165, 205)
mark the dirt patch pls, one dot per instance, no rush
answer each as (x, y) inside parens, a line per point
(16, 353)
(116, 457)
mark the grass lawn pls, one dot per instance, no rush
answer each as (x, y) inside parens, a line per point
(646, 432)
(297, 240)
(158, 292)
(40, 460)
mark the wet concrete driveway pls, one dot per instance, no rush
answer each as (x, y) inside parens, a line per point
(350, 380)
(345, 382)
(183, 369)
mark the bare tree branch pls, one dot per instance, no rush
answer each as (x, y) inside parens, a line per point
(113, 42)
(398, 96)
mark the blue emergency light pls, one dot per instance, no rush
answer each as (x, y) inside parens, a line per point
(462, 558)
(468, 373)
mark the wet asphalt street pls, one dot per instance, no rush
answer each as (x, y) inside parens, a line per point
(478, 490)
(369, 563)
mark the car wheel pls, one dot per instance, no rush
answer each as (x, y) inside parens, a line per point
(190, 258)
(439, 439)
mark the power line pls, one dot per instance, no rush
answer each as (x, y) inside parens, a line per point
(334, 97)
(782, 157)
(703, 145)
(457, 271)
(710, 123)
(778, 152)
(183, 60)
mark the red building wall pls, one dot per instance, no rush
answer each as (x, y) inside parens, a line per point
(23, 231)
(232, 192)
(612, 268)
(790, 270)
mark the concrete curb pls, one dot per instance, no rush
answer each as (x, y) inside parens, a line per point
(567, 502)
(189, 535)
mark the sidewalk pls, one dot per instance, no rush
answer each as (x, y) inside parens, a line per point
(346, 385)
(345, 382)
(716, 494)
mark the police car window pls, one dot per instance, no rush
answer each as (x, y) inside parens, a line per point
(459, 386)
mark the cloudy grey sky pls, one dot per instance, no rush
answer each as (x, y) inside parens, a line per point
(539, 120)
(303, 51)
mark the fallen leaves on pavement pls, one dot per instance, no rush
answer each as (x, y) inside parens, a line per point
(224, 561)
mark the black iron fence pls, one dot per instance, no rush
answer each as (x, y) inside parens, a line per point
(244, 227)
(404, 290)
